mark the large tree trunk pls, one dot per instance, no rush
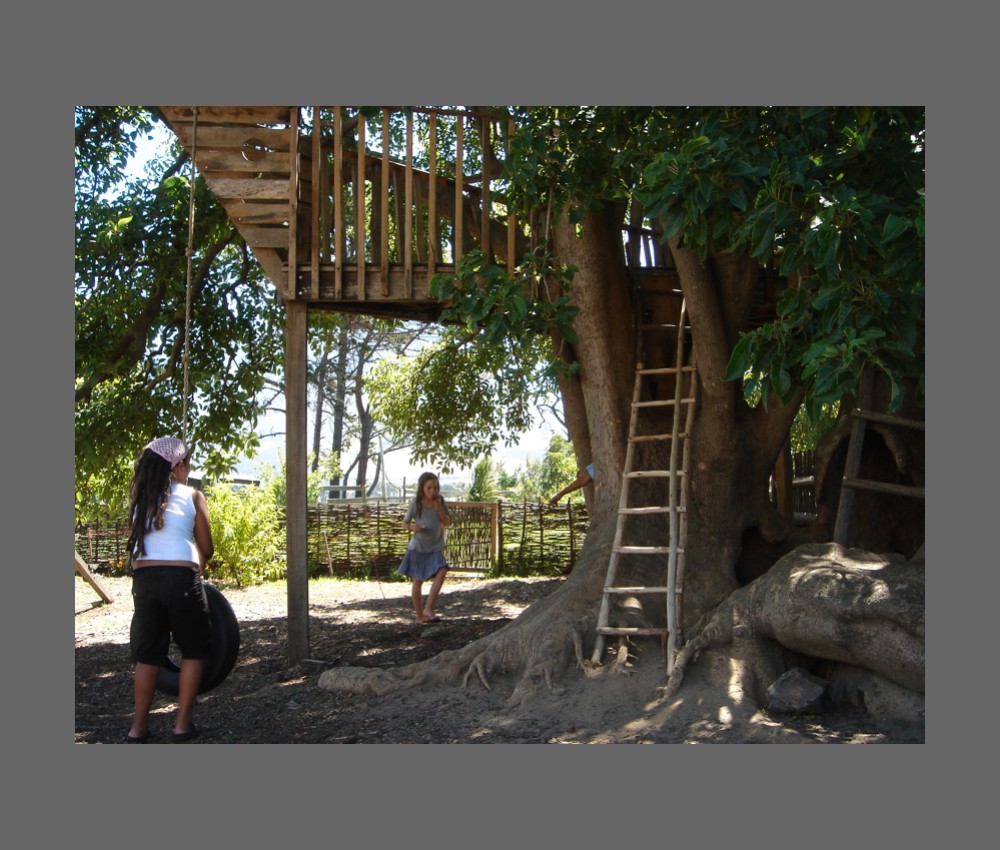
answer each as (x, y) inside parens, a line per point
(733, 450)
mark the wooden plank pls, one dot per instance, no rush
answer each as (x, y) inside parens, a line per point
(84, 571)
(266, 237)
(511, 216)
(272, 264)
(210, 159)
(230, 114)
(241, 212)
(338, 200)
(251, 189)
(292, 190)
(359, 209)
(890, 419)
(485, 206)
(268, 138)
(317, 162)
(384, 212)
(458, 217)
(408, 209)
(296, 458)
(884, 487)
(433, 255)
(420, 237)
(326, 210)
(784, 495)
(852, 463)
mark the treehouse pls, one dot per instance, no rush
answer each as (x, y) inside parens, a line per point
(357, 209)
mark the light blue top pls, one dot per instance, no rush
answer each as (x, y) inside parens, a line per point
(431, 539)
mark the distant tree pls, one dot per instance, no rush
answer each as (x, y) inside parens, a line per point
(484, 486)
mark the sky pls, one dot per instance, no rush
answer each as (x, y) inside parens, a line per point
(399, 465)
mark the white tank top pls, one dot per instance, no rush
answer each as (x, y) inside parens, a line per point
(175, 541)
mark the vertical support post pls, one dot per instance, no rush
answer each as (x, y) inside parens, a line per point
(296, 325)
(338, 204)
(484, 222)
(785, 494)
(500, 525)
(459, 207)
(852, 464)
(432, 190)
(291, 280)
(511, 215)
(384, 212)
(359, 208)
(316, 217)
(408, 209)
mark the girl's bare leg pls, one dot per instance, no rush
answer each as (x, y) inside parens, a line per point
(417, 592)
(144, 687)
(432, 594)
(187, 686)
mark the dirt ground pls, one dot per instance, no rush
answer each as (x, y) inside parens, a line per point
(267, 700)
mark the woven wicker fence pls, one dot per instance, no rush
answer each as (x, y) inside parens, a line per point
(367, 539)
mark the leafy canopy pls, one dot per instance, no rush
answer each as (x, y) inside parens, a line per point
(834, 196)
(130, 296)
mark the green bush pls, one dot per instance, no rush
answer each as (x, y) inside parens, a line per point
(248, 533)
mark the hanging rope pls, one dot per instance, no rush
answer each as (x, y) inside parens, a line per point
(187, 286)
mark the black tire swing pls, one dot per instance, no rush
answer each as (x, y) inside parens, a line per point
(224, 647)
(225, 628)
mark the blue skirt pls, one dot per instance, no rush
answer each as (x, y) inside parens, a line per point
(421, 565)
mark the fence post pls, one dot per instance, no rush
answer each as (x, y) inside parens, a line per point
(541, 533)
(572, 536)
(500, 524)
(494, 551)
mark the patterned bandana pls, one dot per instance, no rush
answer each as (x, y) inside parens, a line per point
(170, 449)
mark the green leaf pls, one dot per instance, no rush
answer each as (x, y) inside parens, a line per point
(895, 226)
(739, 361)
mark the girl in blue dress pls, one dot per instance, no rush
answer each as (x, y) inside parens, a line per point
(427, 517)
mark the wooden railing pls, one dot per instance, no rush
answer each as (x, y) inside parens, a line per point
(384, 193)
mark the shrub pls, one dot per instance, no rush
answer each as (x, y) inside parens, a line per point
(248, 533)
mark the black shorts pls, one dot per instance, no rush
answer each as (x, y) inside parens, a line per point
(169, 600)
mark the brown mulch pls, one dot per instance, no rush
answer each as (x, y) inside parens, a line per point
(267, 699)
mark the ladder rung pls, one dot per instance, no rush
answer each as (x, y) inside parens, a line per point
(889, 419)
(653, 473)
(611, 630)
(665, 402)
(648, 438)
(662, 326)
(884, 487)
(644, 550)
(665, 370)
(652, 509)
(637, 590)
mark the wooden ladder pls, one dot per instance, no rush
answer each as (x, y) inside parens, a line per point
(675, 509)
(860, 417)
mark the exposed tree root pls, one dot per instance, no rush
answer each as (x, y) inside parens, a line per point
(537, 648)
(863, 611)
(825, 602)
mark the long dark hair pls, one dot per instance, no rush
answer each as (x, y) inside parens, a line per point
(147, 499)
(421, 481)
